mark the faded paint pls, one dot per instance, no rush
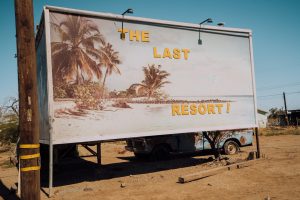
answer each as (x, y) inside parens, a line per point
(230, 101)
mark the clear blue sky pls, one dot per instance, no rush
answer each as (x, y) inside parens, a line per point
(275, 25)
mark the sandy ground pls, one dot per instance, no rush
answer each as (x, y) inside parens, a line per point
(276, 177)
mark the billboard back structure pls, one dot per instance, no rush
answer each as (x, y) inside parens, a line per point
(95, 85)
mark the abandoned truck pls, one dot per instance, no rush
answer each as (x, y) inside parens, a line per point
(161, 147)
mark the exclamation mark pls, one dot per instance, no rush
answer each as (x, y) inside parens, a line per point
(228, 107)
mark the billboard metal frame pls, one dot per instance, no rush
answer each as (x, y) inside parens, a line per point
(163, 23)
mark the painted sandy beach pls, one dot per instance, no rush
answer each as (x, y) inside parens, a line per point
(144, 119)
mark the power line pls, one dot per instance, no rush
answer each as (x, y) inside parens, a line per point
(271, 95)
(279, 86)
(292, 92)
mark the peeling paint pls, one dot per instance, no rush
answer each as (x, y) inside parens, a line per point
(243, 140)
(29, 100)
(29, 115)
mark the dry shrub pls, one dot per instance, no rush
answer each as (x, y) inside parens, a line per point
(279, 130)
(9, 133)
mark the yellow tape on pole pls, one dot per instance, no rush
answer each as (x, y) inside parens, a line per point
(27, 169)
(29, 146)
(37, 155)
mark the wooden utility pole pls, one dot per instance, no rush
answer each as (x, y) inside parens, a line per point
(28, 102)
(285, 110)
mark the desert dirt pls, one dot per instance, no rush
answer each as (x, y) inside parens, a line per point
(121, 176)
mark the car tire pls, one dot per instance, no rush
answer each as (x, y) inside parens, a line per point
(160, 152)
(141, 156)
(231, 147)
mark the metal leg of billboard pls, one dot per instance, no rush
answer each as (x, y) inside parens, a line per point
(50, 169)
(99, 153)
(257, 143)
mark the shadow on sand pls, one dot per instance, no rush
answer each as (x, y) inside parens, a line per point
(79, 170)
(6, 193)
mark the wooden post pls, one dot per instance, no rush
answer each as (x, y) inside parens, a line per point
(211, 172)
(28, 104)
(257, 143)
(99, 153)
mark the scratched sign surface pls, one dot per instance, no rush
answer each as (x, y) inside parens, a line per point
(146, 79)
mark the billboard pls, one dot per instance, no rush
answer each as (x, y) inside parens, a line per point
(152, 79)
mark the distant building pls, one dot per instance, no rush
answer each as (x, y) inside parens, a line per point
(262, 118)
(293, 118)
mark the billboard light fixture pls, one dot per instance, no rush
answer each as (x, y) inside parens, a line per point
(222, 24)
(208, 20)
(129, 11)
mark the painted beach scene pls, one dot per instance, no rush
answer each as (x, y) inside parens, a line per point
(105, 86)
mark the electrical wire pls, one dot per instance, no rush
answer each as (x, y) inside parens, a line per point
(279, 86)
(271, 95)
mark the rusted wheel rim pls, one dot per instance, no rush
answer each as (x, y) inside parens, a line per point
(231, 149)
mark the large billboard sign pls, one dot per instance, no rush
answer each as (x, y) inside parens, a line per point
(149, 78)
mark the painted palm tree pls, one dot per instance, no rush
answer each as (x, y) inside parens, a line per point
(74, 56)
(155, 78)
(109, 60)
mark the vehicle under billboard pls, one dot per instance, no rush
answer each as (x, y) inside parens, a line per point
(162, 147)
